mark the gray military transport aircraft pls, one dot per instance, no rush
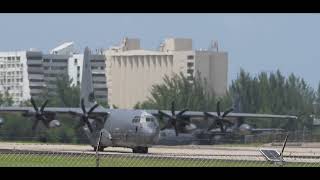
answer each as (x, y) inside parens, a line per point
(135, 129)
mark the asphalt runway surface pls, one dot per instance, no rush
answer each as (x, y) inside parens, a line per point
(304, 153)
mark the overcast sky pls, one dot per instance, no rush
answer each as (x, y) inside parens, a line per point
(255, 42)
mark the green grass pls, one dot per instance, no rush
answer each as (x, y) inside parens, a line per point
(55, 160)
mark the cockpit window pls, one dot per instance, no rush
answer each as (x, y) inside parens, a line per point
(136, 120)
(149, 119)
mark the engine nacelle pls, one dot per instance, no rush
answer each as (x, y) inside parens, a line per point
(105, 138)
(190, 127)
(54, 124)
(1, 121)
(245, 129)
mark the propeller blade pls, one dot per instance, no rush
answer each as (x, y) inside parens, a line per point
(43, 106)
(34, 105)
(227, 122)
(211, 126)
(45, 121)
(221, 126)
(35, 124)
(218, 108)
(92, 108)
(172, 108)
(166, 126)
(163, 128)
(83, 106)
(89, 125)
(164, 114)
(227, 112)
(176, 130)
(183, 111)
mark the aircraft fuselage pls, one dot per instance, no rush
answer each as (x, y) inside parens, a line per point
(126, 128)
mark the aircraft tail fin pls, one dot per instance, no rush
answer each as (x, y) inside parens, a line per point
(86, 91)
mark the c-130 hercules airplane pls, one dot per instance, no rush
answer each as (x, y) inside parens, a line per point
(135, 129)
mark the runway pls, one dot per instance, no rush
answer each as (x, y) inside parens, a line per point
(291, 154)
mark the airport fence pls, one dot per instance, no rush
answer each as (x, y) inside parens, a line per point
(172, 152)
(58, 155)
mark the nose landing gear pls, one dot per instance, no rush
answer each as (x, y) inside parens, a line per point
(140, 149)
(100, 148)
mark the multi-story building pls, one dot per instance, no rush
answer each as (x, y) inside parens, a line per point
(12, 74)
(27, 73)
(131, 71)
(122, 75)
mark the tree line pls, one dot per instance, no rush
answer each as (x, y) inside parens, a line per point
(271, 93)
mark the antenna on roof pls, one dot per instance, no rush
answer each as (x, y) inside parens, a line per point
(214, 46)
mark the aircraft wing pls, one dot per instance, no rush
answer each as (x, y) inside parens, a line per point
(59, 110)
(266, 129)
(232, 115)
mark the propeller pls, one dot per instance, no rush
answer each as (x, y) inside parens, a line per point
(173, 118)
(40, 115)
(219, 119)
(84, 116)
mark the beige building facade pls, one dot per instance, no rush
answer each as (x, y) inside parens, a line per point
(131, 71)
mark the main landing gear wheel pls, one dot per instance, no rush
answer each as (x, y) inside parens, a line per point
(140, 149)
(101, 148)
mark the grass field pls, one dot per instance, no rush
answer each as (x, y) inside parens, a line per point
(56, 160)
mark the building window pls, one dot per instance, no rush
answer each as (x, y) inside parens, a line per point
(59, 60)
(46, 60)
(190, 78)
(190, 71)
(190, 64)
(75, 61)
(190, 57)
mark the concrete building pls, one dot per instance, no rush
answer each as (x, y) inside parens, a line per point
(27, 73)
(131, 71)
(13, 73)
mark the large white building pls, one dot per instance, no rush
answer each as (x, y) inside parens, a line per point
(131, 71)
(123, 75)
(27, 73)
(13, 73)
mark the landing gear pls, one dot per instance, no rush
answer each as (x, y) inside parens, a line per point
(101, 148)
(140, 149)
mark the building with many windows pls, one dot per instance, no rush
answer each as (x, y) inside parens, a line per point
(122, 75)
(12, 74)
(27, 73)
(131, 71)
